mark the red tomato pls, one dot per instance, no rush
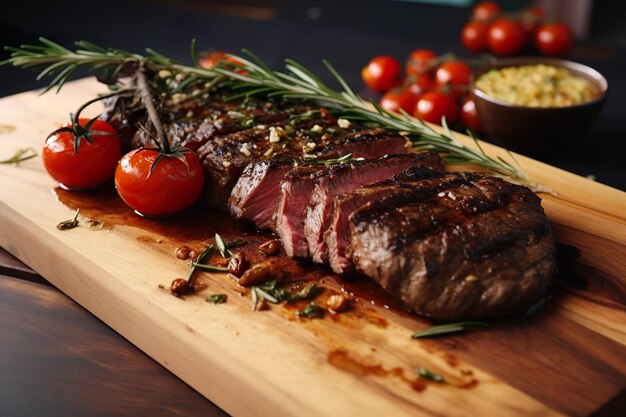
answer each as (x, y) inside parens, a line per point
(531, 18)
(506, 37)
(554, 39)
(474, 36)
(418, 61)
(382, 73)
(469, 116)
(486, 10)
(399, 98)
(214, 58)
(433, 105)
(92, 164)
(453, 73)
(169, 188)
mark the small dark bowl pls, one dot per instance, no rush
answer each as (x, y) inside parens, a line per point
(538, 131)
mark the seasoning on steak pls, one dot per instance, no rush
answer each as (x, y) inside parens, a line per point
(340, 179)
(225, 157)
(337, 235)
(473, 247)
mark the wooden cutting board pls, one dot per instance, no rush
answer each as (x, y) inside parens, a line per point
(569, 358)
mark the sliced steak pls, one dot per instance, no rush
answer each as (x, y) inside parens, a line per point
(471, 246)
(293, 197)
(337, 236)
(340, 179)
(255, 194)
(225, 157)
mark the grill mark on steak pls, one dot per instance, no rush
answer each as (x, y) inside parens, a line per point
(446, 259)
(337, 235)
(340, 179)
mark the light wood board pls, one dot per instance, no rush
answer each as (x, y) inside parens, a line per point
(568, 360)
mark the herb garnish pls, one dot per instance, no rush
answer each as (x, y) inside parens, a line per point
(69, 224)
(431, 376)
(311, 311)
(20, 155)
(313, 160)
(249, 77)
(216, 298)
(210, 267)
(272, 292)
(450, 328)
(221, 246)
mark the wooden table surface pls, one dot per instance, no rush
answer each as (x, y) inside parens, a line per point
(57, 359)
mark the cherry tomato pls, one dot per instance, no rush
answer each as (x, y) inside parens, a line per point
(92, 164)
(399, 98)
(418, 61)
(506, 37)
(469, 116)
(382, 73)
(554, 39)
(453, 73)
(474, 36)
(214, 58)
(486, 10)
(170, 187)
(531, 18)
(433, 105)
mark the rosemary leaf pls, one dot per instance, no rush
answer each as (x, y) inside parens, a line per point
(216, 298)
(311, 311)
(221, 246)
(450, 328)
(20, 156)
(431, 376)
(210, 267)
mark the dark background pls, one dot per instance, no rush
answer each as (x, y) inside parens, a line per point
(348, 33)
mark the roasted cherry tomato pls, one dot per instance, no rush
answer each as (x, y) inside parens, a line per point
(506, 37)
(91, 164)
(417, 64)
(469, 116)
(554, 39)
(486, 10)
(399, 98)
(453, 73)
(474, 36)
(382, 73)
(434, 105)
(158, 188)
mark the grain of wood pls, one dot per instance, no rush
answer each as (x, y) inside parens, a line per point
(567, 360)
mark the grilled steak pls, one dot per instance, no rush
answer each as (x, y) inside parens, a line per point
(341, 179)
(337, 236)
(467, 246)
(225, 157)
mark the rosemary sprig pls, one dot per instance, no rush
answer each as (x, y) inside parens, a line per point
(221, 246)
(210, 267)
(314, 160)
(445, 329)
(20, 155)
(253, 77)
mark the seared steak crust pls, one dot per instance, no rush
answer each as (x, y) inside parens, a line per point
(465, 245)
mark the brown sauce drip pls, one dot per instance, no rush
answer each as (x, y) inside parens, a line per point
(341, 359)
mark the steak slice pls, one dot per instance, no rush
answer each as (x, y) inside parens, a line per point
(472, 247)
(255, 194)
(337, 235)
(340, 179)
(293, 197)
